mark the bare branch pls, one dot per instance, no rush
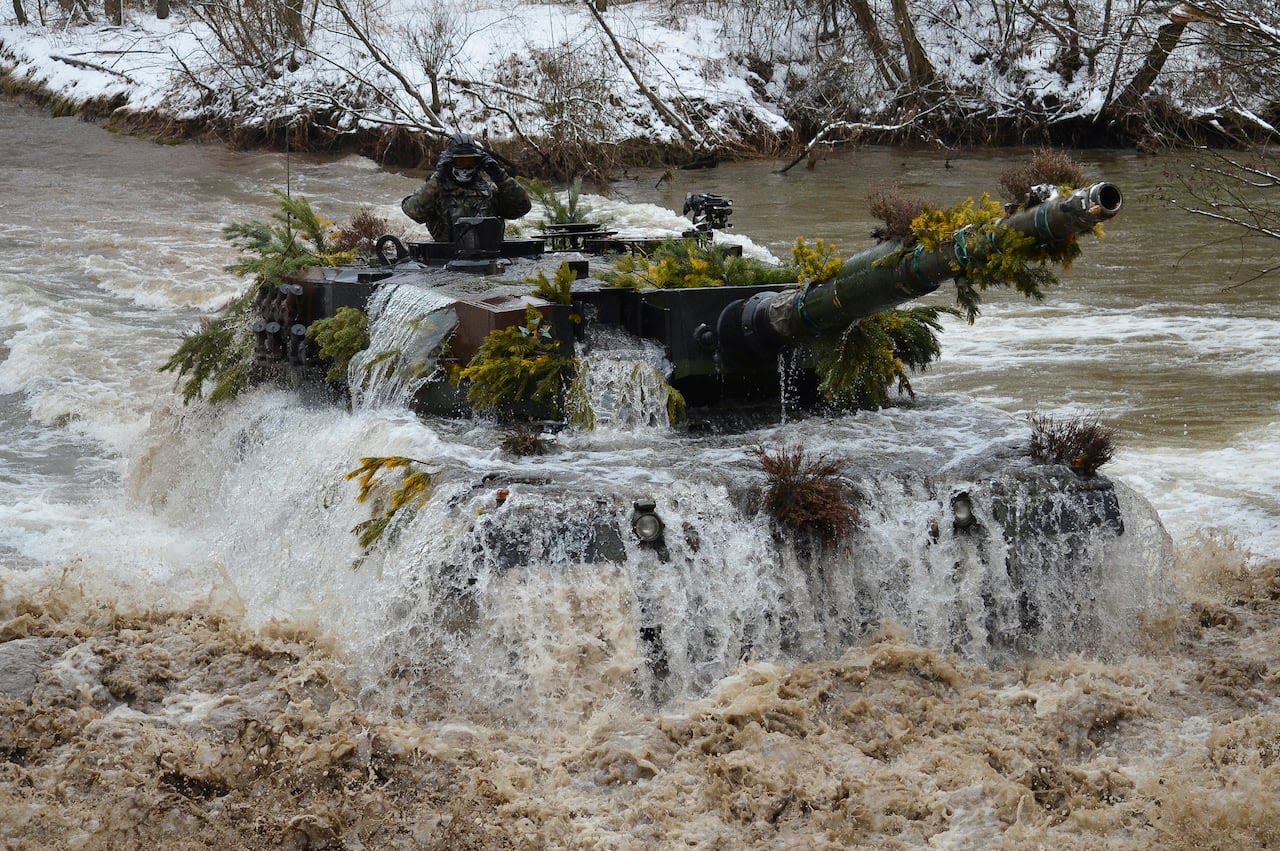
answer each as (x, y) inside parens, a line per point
(91, 66)
(1231, 219)
(380, 57)
(855, 129)
(515, 123)
(687, 133)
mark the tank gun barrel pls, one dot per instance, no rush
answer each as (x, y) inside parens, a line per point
(871, 281)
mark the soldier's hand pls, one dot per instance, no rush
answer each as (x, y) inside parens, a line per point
(494, 169)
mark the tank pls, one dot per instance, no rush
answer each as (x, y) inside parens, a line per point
(1048, 540)
(724, 344)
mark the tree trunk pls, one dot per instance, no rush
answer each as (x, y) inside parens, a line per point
(293, 22)
(1070, 60)
(1166, 40)
(162, 9)
(114, 10)
(918, 64)
(19, 13)
(690, 136)
(890, 73)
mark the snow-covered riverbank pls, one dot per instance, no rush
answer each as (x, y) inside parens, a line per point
(570, 89)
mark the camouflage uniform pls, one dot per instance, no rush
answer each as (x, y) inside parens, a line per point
(442, 200)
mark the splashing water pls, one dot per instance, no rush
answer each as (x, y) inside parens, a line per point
(624, 382)
(520, 671)
(521, 585)
(408, 326)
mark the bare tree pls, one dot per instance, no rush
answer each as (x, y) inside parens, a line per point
(1240, 190)
(868, 26)
(438, 41)
(919, 67)
(403, 102)
(691, 136)
(566, 96)
(254, 35)
(1252, 23)
(1161, 48)
(19, 13)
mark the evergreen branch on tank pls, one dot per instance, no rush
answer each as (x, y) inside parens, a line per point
(221, 351)
(673, 400)
(1016, 260)
(558, 289)
(415, 488)
(340, 338)
(557, 212)
(858, 368)
(519, 368)
(816, 262)
(299, 239)
(682, 264)
(577, 401)
(677, 406)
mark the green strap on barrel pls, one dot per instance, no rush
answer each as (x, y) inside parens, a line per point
(961, 249)
(915, 263)
(1042, 223)
(800, 308)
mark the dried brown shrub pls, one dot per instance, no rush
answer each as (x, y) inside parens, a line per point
(895, 212)
(805, 493)
(1046, 165)
(523, 440)
(362, 231)
(1082, 442)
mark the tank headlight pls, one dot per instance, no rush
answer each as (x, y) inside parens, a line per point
(962, 512)
(645, 522)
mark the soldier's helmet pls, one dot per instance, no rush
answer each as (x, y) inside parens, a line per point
(463, 156)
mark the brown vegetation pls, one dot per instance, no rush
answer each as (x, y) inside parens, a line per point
(362, 232)
(1082, 442)
(522, 440)
(895, 211)
(1046, 166)
(804, 493)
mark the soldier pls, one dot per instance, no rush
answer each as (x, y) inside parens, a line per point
(456, 190)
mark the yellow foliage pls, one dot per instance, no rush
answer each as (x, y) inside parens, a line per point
(518, 366)
(818, 262)
(416, 486)
(935, 229)
(677, 264)
(1015, 259)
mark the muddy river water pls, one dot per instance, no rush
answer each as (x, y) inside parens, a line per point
(142, 543)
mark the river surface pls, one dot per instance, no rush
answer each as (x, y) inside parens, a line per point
(111, 490)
